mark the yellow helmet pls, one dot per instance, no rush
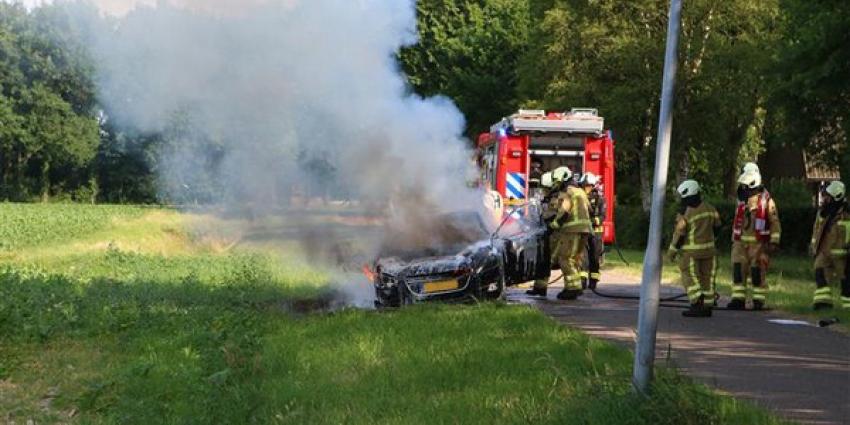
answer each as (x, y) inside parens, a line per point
(561, 174)
(837, 190)
(546, 180)
(688, 188)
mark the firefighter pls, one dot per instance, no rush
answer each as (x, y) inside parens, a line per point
(595, 247)
(572, 222)
(694, 234)
(549, 210)
(756, 232)
(830, 242)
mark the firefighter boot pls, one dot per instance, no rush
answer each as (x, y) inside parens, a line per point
(536, 292)
(569, 294)
(592, 284)
(739, 292)
(698, 309)
(823, 294)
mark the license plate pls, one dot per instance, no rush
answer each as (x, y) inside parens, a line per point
(440, 286)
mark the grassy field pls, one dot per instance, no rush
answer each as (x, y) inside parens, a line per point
(128, 315)
(791, 282)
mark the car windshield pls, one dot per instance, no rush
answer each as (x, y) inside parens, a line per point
(523, 219)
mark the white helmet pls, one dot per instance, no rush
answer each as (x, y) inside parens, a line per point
(561, 174)
(589, 179)
(688, 188)
(750, 167)
(750, 179)
(546, 180)
(837, 190)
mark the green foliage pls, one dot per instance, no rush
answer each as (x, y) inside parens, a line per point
(812, 101)
(608, 54)
(23, 225)
(469, 50)
(46, 103)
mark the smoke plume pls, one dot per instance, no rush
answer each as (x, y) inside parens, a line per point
(284, 95)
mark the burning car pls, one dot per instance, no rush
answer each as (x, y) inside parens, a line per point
(460, 260)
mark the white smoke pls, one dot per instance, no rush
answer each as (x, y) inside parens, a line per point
(270, 80)
(275, 83)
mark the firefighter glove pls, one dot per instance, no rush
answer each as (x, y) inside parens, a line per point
(554, 225)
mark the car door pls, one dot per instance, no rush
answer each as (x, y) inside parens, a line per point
(527, 251)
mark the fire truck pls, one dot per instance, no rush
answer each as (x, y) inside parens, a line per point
(576, 139)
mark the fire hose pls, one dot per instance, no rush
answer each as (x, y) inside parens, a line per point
(674, 299)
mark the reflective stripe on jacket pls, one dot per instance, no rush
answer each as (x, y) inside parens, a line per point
(694, 231)
(575, 206)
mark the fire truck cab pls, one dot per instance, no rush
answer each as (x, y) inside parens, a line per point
(510, 152)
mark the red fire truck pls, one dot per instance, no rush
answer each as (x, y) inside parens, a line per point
(576, 139)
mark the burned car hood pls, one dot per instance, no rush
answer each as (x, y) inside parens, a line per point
(425, 266)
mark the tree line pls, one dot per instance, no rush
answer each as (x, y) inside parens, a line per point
(752, 75)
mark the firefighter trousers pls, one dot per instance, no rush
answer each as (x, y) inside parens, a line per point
(592, 261)
(749, 260)
(571, 252)
(698, 277)
(830, 268)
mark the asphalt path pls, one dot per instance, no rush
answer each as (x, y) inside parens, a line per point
(800, 372)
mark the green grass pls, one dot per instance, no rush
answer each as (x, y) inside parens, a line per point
(790, 278)
(24, 225)
(135, 321)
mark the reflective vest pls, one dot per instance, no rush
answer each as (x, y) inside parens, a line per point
(757, 220)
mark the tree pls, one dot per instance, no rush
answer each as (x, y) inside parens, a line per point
(608, 54)
(813, 100)
(469, 50)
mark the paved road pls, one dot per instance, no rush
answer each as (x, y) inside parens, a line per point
(799, 372)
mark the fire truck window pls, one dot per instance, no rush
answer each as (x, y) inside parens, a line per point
(488, 168)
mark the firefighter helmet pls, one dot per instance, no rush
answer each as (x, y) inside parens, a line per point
(688, 188)
(546, 180)
(750, 179)
(562, 174)
(589, 179)
(750, 167)
(836, 190)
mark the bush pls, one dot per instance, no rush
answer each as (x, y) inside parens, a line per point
(797, 222)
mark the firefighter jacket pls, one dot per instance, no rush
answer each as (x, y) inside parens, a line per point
(694, 231)
(598, 209)
(757, 220)
(573, 211)
(831, 234)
